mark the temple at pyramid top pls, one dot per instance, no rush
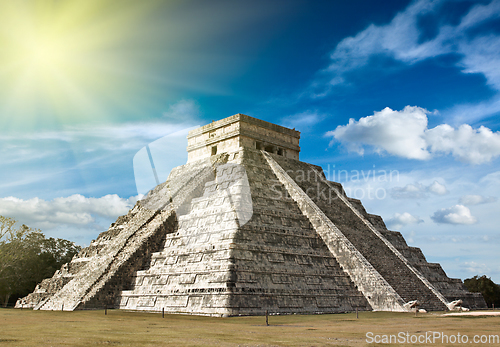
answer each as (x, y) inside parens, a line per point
(231, 133)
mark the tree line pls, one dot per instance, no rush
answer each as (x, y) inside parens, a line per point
(27, 257)
(485, 286)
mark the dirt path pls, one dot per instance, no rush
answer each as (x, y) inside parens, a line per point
(474, 313)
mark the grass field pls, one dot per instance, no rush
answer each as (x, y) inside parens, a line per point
(121, 328)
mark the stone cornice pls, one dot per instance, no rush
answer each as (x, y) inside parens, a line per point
(243, 118)
(247, 133)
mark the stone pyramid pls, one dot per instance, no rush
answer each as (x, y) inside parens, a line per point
(244, 227)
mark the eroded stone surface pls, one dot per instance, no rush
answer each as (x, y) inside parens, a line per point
(244, 231)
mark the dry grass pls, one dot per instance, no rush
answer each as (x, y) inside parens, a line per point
(121, 328)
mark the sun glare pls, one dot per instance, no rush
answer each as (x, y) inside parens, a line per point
(48, 55)
(42, 61)
(63, 57)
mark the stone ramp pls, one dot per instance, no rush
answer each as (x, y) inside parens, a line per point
(380, 295)
(281, 263)
(168, 201)
(71, 295)
(451, 288)
(133, 256)
(51, 286)
(97, 283)
(380, 253)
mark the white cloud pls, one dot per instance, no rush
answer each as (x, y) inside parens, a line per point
(476, 199)
(418, 191)
(401, 219)
(410, 191)
(401, 40)
(405, 134)
(302, 120)
(437, 188)
(183, 110)
(491, 179)
(72, 210)
(180, 115)
(397, 132)
(398, 39)
(469, 145)
(476, 268)
(103, 133)
(458, 214)
(77, 152)
(472, 112)
(410, 236)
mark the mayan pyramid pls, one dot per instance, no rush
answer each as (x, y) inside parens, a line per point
(244, 227)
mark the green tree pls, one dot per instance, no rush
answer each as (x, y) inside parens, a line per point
(27, 257)
(485, 286)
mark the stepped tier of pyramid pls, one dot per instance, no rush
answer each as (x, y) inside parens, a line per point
(242, 228)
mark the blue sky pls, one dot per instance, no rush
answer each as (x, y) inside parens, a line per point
(408, 87)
